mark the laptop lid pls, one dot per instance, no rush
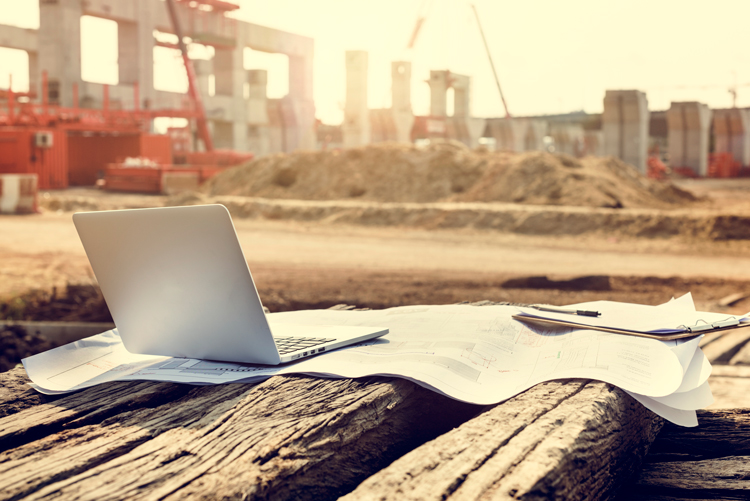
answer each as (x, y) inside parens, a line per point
(177, 283)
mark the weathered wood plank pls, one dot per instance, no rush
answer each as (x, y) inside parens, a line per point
(560, 440)
(722, 432)
(721, 349)
(16, 395)
(722, 478)
(297, 438)
(711, 461)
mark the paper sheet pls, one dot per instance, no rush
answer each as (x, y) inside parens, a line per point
(475, 354)
(636, 317)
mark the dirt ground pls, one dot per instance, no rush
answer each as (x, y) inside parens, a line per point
(315, 265)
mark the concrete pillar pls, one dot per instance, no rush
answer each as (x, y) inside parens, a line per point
(229, 80)
(60, 47)
(593, 141)
(301, 100)
(34, 73)
(509, 133)
(688, 127)
(535, 132)
(403, 116)
(732, 133)
(258, 134)
(356, 126)
(439, 83)
(128, 53)
(461, 95)
(223, 134)
(625, 126)
(224, 72)
(204, 69)
(147, 15)
(569, 138)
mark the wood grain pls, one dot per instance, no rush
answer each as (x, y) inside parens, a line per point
(721, 432)
(294, 438)
(711, 461)
(560, 440)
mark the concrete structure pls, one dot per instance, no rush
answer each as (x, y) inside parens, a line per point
(403, 115)
(688, 136)
(625, 125)
(460, 125)
(732, 133)
(517, 134)
(356, 126)
(593, 143)
(55, 47)
(569, 138)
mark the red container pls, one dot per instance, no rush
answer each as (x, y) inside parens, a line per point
(91, 152)
(156, 147)
(28, 150)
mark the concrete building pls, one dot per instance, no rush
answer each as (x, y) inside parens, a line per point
(625, 123)
(732, 133)
(517, 134)
(395, 123)
(460, 126)
(688, 136)
(55, 48)
(569, 138)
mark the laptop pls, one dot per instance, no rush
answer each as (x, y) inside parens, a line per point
(177, 284)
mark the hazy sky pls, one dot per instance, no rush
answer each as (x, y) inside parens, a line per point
(551, 56)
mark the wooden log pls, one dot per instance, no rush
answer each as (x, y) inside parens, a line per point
(305, 438)
(723, 478)
(711, 461)
(288, 438)
(560, 440)
(722, 432)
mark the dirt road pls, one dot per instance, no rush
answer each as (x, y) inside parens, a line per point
(302, 265)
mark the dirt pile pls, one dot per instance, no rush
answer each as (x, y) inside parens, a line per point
(16, 344)
(447, 172)
(76, 302)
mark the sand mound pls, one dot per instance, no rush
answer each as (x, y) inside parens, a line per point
(446, 172)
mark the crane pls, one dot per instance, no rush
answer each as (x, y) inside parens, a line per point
(415, 33)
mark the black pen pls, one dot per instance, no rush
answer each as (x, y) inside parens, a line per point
(556, 309)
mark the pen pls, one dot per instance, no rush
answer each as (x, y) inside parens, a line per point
(555, 309)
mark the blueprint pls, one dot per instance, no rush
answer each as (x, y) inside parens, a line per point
(475, 354)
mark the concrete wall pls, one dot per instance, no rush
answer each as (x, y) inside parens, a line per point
(569, 138)
(517, 134)
(732, 133)
(625, 126)
(688, 136)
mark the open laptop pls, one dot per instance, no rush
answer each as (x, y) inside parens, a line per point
(176, 282)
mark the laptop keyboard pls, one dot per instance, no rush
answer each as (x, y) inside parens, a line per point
(290, 344)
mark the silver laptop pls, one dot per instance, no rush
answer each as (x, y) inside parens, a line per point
(177, 284)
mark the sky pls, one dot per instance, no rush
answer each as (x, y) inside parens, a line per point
(551, 56)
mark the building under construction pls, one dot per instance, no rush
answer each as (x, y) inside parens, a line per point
(68, 130)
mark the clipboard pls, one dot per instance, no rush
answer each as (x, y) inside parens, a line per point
(690, 331)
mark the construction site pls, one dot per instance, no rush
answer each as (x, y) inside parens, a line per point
(668, 180)
(387, 208)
